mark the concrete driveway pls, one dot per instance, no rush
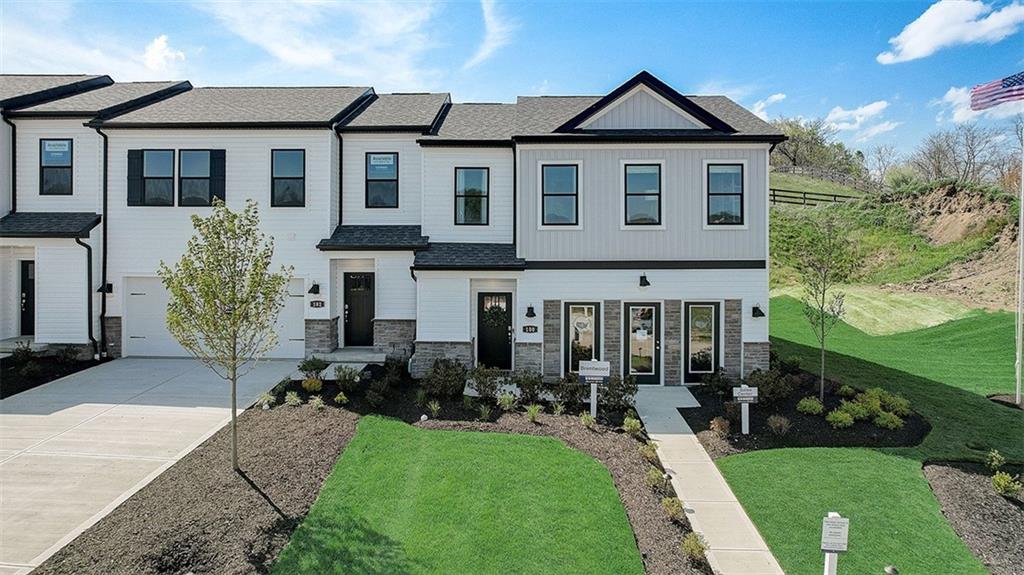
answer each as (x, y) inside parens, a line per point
(75, 448)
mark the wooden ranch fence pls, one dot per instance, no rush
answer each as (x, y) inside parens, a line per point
(801, 198)
(854, 182)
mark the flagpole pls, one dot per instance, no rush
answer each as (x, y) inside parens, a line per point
(1020, 280)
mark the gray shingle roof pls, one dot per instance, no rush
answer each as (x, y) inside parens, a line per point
(442, 256)
(399, 110)
(23, 86)
(234, 106)
(476, 122)
(48, 224)
(374, 238)
(102, 99)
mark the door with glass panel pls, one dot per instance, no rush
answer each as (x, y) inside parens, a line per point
(583, 334)
(642, 337)
(701, 336)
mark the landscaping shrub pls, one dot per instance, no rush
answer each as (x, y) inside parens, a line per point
(532, 412)
(374, 398)
(872, 400)
(994, 460)
(569, 392)
(292, 399)
(31, 370)
(587, 420)
(618, 394)
(888, 420)
(266, 400)
(529, 384)
(718, 382)
(857, 410)
(1005, 484)
(485, 412)
(282, 386)
(485, 381)
(839, 419)
(693, 547)
(468, 403)
(896, 404)
(790, 365)
(313, 367)
(421, 398)
(733, 411)
(22, 353)
(771, 386)
(558, 408)
(673, 508)
(66, 356)
(347, 377)
(317, 403)
(632, 426)
(655, 479)
(779, 424)
(341, 398)
(720, 426)
(847, 392)
(312, 384)
(446, 378)
(649, 451)
(507, 402)
(810, 406)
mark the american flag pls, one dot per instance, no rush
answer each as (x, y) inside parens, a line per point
(1009, 89)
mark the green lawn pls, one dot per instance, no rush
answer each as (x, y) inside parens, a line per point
(408, 500)
(809, 184)
(944, 371)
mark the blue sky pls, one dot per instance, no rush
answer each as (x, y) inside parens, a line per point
(882, 72)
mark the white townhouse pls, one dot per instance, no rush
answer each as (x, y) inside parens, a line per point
(630, 227)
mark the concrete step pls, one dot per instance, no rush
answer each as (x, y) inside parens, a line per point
(351, 355)
(12, 343)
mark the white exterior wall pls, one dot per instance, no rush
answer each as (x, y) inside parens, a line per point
(442, 306)
(86, 166)
(439, 194)
(5, 168)
(394, 289)
(642, 108)
(60, 293)
(10, 288)
(410, 178)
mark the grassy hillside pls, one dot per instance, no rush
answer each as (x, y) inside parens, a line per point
(808, 184)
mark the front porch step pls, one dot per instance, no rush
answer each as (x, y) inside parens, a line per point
(10, 344)
(353, 355)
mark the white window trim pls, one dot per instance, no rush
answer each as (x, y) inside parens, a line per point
(540, 195)
(704, 195)
(622, 195)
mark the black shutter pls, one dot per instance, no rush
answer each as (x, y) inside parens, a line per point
(134, 177)
(217, 178)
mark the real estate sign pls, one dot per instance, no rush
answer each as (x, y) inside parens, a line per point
(835, 532)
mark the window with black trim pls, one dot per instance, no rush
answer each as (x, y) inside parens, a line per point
(472, 196)
(382, 179)
(559, 184)
(288, 178)
(725, 194)
(194, 178)
(158, 177)
(643, 194)
(55, 167)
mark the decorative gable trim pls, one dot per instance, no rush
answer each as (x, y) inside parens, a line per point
(689, 118)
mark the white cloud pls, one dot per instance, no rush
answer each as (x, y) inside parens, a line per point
(879, 128)
(842, 119)
(956, 105)
(159, 57)
(497, 33)
(951, 23)
(760, 106)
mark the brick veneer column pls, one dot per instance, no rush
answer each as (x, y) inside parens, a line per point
(613, 334)
(528, 356)
(112, 326)
(321, 335)
(552, 339)
(733, 333)
(672, 346)
(755, 356)
(394, 337)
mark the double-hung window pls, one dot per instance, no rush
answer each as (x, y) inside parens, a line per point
(55, 160)
(158, 177)
(288, 178)
(194, 178)
(471, 196)
(382, 180)
(560, 194)
(642, 184)
(725, 194)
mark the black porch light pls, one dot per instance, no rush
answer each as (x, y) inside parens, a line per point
(643, 281)
(314, 289)
(530, 312)
(757, 311)
(106, 288)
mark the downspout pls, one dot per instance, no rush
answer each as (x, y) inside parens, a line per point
(14, 164)
(103, 255)
(515, 195)
(88, 296)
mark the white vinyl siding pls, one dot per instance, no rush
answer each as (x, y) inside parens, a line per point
(410, 178)
(10, 288)
(442, 307)
(642, 109)
(87, 166)
(60, 294)
(439, 194)
(5, 169)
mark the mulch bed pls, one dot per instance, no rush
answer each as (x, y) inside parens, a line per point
(199, 516)
(657, 537)
(991, 525)
(1007, 399)
(806, 430)
(15, 378)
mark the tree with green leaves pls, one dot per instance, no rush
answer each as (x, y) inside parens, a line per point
(823, 265)
(224, 298)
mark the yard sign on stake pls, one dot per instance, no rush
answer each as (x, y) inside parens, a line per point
(594, 373)
(745, 395)
(835, 532)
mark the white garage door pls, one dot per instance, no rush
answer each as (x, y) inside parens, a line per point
(145, 328)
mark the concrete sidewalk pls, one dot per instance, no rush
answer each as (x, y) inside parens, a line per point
(734, 544)
(74, 449)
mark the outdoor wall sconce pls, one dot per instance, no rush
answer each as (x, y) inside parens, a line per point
(530, 312)
(757, 311)
(643, 281)
(314, 289)
(106, 288)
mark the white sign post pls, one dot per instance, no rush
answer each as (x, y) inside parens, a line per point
(594, 372)
(745, 395)
(835, 532)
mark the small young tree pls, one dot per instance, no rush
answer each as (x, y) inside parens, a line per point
(822, 266)
(224, 299)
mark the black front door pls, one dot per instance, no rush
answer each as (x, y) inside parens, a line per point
(642, 360)
(358, 309)
(701, 335)
(494, 330)
(28, 298)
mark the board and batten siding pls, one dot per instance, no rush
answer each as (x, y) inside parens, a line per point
(642, 110)
(142, 236)
(439, 194)
(410, 178)
(684, 236)
(86, 166)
